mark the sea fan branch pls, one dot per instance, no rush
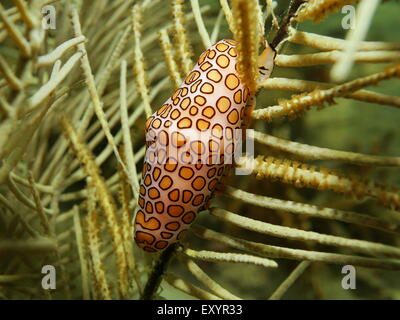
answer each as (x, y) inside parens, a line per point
(312, 210)
(371, 248)
(301, 175)
(246, 33)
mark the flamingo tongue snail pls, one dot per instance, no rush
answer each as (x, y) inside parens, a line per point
(191, 142)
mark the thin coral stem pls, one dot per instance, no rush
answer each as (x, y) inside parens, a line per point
(312, 59)
(285, 285)
(367, 247)
(212, 256)
(294, 254)
(14, 33)
(300, 85)
(217, 27)
(9, 75)
(169, 58)
(299, 103)
(47, 89)
(104, 197)
(189, 288)
(183, 46)
(211, 284)
(101, 283)
(301, 175)
(246, 33)
(365, 12)
(140, 71)
(82, 254)
(205, 37)
(91, 86)
(44, 221)
(317, 153)
(157, 272)
(326, 43)
(312, 210)
(126, 226)
(129, 154)
(317, 10)
(228, 14)
(57, 53)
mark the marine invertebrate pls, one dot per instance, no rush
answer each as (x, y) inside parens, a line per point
(192, 141)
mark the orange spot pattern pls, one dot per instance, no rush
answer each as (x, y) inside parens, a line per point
(176, 187)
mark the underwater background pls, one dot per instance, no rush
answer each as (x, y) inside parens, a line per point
(73, 95)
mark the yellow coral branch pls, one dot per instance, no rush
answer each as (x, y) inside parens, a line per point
(300, 85)
(246, 33)
(103, 195)
(57, 77)
(169, 59)
(317, 10)
(294, 254)
(57, 53)
(101, 283)
(312, 59)
(140, 70)
(299, 103)
(317, 153)
(228, 14)
(25, 14)
(326, 43)
(312, 210)
(91, 86)
(371, 248)
(14, 33)
(44, 221)
(212, 256)
(126, 226)
(200, 23)
(9, 75)
(212, 285)
(82, 254)
(301, 175)
(184, 49)
(189, 288)
(131, 165)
